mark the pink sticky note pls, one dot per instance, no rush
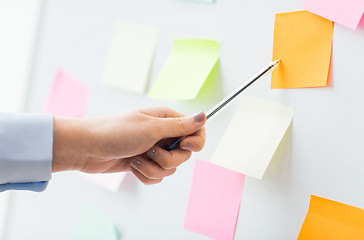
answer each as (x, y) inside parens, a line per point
(214, 201)
(68, 97)
(344, 12)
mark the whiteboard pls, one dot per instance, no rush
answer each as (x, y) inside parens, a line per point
(321, 154)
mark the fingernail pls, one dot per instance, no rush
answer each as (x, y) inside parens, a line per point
(199, 117)
(187, 146)
(152, 154)
(135, 163)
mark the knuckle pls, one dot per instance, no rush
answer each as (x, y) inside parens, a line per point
(149, 173)
(166, 165)
(172, 171)
(189, 154)
(200, 147)
(147, 182)
(153, 181)
(180, 124)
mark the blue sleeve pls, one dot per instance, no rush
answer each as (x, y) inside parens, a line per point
(26, 145)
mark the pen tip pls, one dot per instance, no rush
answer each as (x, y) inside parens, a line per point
(276, 63)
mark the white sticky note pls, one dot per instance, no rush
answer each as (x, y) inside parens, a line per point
(130, 57)
(253, 136)
(109, 181)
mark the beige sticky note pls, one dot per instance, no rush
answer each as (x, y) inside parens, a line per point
(253, 136)
(130, 57)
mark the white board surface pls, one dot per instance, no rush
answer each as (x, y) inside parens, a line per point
(322, 153)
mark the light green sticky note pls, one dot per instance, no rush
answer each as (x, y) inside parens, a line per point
(186, 70)
(94, 226)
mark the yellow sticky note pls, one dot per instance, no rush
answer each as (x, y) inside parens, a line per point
(303, 42)
(253, 136)
(330, 220)
(187, 68)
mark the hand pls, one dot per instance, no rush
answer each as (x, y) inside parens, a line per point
(132, 141)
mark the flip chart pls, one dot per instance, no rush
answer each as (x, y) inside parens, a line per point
(109, 181)
(68, 97)
(345, 12)
(214, 201)
(253, 135)
(330, 220)
(190, 64)
(303, 42)
(94, 226)
(130, 57)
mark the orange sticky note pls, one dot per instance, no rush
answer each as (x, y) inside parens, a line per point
(303, 42)
(327, 219)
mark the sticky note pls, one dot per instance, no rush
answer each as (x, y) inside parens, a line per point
(109, 181)
(345, 12)
(253, 135)
(330, 220)
(68, 97)
(92, 225)
(187, 68)
(303, 42)
(214, 201)
(130, 57)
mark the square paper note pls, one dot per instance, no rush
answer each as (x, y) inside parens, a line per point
(344, 12)
(190, 64)
(330, 220)
(303, 41)
(68, 97)
(253, 136)
(214, 201)
(130, 57)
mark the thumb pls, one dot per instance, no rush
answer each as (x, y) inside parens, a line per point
(181, 126)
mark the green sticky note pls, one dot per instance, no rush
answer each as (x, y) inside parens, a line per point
(94, 226)
(186, 70)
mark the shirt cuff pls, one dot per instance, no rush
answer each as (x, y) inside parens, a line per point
(26, 147)
(31, 186)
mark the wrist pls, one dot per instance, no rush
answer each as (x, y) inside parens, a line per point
(69, 144)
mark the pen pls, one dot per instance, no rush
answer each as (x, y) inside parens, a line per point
(269, 68)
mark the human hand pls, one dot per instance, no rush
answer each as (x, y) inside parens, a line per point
(132, 141)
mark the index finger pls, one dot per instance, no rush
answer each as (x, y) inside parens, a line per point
(162, 112)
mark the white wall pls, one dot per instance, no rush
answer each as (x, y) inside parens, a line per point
(18, 32)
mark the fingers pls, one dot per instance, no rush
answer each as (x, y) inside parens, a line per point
(168, 159)
(144, 179)
(162, 112)
(158, 163)
(150, 169)
(194, 142)
(179, 126)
